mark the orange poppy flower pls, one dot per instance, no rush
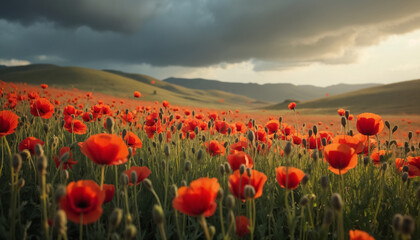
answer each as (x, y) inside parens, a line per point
(341, 112)
(44, 86)
(413, 164)
(29, 144)
(105, 149)
(369, 124)
(109, 190)
(272, 126)
(242, 224)
(215, 148)
(42, 108)
(142, 173)
(375, 156)
(237, 158)
(133, 141)
(257, 181)
(137, 94)
(360, 235)
(292, 176)
(84, 200)
(353, 142)
(341, 157)
(199, 198)
(292, 105)
(165, 104)
(69, 162)
(8, 122)
(75, 126)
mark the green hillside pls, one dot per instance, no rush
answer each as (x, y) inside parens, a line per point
(396, 98)
(118, 84)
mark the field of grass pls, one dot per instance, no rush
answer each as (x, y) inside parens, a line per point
(180, 145)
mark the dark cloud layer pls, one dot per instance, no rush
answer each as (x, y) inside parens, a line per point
(274, 34)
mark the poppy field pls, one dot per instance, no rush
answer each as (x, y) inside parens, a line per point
(83, 165)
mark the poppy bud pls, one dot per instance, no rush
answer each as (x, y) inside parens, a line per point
(110, 124)
(61, 123)
(387, 124)
(242, 169)
(42, 164)
(60, 221)
(343, 121)
(347, 114)
(314, 156)
(230, 201)
(310, 132)
(405, 168)
(25, 154)
(305, 180)
(315, 129)
(337, 202)
(407, 226)
(328, 218)
(183, 183)
(404, 176)
(39, 151)
(130, 232)
(396, 222)
(395, 128)
(133, 177)
(288, 148)
(229, 131)
(187, 166)
(249, 192)
(212, 231)
(251, 136)
(166, 150)
(158, 215)
(124, 133)
(222, 169)
(60, 192)
(304, 142)
(179, 126)
(351, 132)
(20, 183)
(199, 154)
(410, 135)
(303, 201)
(220, 194)
(174, 191)
(384, 166)
(209, 125)
(324, 182)
(46, 128)
(413, 148)
(160, 137)
(366, 160)
(280, 119)
(196, 130)
(124, 179)
(228, 169)
(16, 162)
(115, 218)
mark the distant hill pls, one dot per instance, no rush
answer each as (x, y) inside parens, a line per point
(119, 84)
(3, 66)
(276, 92)
(396, 98)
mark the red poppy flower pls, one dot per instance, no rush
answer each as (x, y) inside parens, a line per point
(215, 148)
(292, 176)
(369, 124)
(353, 142)
(341, 157)
(240, 127)
(413, 164)
(240, 145)
(199, 198)
(242, 224)
(272, 126)
(42, 108)
(165, 104)
(84, 200)
(33, 95)
(105, 149)
(133, 141)
(360, 235)
(69, 163)
(109, 190)
(137, 94)
(29, 144)
(341, 112)
(375, 156)
(221, 126)
(8, 122)
(75, 126)
(44, 86)
(237, 158)
(292, 105)
(142, 173)
(257, 181)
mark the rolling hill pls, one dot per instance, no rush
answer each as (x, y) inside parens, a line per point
(119, 84)
(276, 92)
(396, 98)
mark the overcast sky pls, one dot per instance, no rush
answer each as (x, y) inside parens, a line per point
(321, 42)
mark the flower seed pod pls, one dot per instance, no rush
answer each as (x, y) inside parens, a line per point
(16, 163)
(395, 129)
(130, 232)
(249, 192)
(110, 124)
(410, 135)
(324, 182)
(288, 148)
(347, 114)
(407, 226)
(158, 215)
(115, 218)
(220, 194)
(230, 201)
(337, 202)
(199, 154)
(60, 221)
(343, 121)
(387, 124)
(42, 164)
(305, 180)
(251, 136)
(248, 172)
(328, 217)
(60, 192)
(310, 132)
(124, 179)
(242, 169)
(304, 201)
(166, 150)
(228, 169)
(39, 151)
(187, 166)
(148, 184)
(222, 169)
(397, 222)
(324, 142)
(133, 177)
(404, 176)
(315, 129)
(174, 191)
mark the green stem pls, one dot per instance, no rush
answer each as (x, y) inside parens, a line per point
(102, 176)
(81, 227)
(203, 223)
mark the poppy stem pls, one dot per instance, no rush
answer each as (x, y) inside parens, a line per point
(81, 227)
(221, 216)
(203, 223)
(102, 176)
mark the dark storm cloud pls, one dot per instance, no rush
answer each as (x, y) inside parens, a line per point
(274, 34)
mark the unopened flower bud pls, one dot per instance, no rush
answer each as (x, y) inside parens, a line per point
(228, 169)
(343, 121)
(158, 215)
(60, 221)
(366, 160)
(249, 192)
(384, 166)
(46, 128)
(230, 201)
(148, 184)
(115, 218)
(39, 151)
(110, 124)
(16, 162)
(406, 168)
(251, 136)
(199, 154)
(395, 129)
(305, 180)
(222, 169)
(387, 124)
(304, 201)
(166, 150)
(242, 169)
(397, 222)
(315, 129)
(220, 194)
(337, 202)
(60, 192)
(249, 172)
(407, 226)
(404, 176)
(328, 217)
(42, 164)
(130, 232)
(187, 166)
(288, 148)
(133, 177)
(124, 179)
(324, 182)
